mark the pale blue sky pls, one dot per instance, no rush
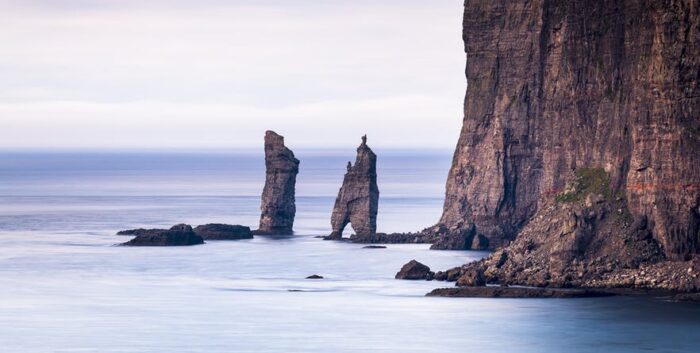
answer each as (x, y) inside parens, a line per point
(217, 74)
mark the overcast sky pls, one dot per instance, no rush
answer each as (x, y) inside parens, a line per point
(217, 74)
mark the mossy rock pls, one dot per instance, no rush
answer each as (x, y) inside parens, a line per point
(588, 181)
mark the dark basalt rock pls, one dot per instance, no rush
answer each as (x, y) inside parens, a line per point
(515, 292)
(393, 238)
(216, 231)
(374, 247)
(358, 199)
(179, 235)
(472, 277)
(140, 231)
(315, 277)
(414, 270)
(278, 198)
(557, 86)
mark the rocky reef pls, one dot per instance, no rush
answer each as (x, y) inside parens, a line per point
(516, 292)
(217, 231)
(358, 198)
(278, 197)
(179, 235)
(555, 87)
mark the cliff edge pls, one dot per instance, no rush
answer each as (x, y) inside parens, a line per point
(556, 88)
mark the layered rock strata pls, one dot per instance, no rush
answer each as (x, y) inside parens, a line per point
(358, 199)
(557, 86)
(278, 206)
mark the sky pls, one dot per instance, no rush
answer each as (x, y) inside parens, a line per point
(210, 74)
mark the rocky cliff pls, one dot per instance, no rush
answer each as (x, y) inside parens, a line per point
(358, 198)
(278, 201)
(556, 87)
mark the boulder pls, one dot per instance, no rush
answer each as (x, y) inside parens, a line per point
(179, 235)
(472, 277)
(216, 231)
(413, 270)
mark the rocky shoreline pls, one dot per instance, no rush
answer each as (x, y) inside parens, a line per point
(516, 292)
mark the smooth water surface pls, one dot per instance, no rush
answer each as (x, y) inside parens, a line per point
(65, 288)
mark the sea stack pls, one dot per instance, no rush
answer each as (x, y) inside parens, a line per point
(358, 198)
(277, 202)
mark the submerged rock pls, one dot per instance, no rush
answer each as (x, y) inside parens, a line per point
(278, 197)
(358, 199)
(315, 277)
(374, 247)
(179, 235)
(414, 270)
(216, 231)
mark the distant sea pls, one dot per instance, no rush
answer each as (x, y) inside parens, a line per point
(64, 287)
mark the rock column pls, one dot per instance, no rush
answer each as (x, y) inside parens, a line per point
(358, 198)
(277, 202)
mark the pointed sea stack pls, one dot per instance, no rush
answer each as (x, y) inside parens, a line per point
(277, 201)
(358, 198)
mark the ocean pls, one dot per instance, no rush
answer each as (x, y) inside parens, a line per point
(65, 287)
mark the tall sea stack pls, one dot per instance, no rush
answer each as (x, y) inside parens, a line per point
(277, 201)
(557, 88)
(358, 198)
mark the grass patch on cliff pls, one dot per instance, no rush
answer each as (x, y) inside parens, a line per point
(588, 181)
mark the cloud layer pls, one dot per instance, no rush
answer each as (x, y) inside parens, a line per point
(217, 74)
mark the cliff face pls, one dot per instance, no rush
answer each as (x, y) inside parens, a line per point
(358, 198)
(278, 198)
(557, 86)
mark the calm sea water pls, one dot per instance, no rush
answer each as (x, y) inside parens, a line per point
(65, 288)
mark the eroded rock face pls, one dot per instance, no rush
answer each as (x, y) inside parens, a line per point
(358, 199)
(278, 198)
(555, 86)
(216, 231)
(592, 242)
(179, 235)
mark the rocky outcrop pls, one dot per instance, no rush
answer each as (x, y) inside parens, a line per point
(216, 231)
(515, 292)
(414, 270)
(394, 238)
(587, 237)
(358, 198)
(140, 231)
(179, 235)
(557, 86)
(278, 198)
